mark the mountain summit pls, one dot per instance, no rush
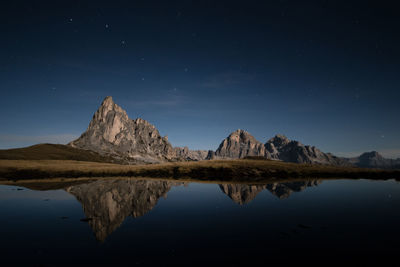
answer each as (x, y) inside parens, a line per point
(280, 147)
(240, 144)
(374, 160)
(112, 132)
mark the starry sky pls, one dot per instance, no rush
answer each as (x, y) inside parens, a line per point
(325, 73)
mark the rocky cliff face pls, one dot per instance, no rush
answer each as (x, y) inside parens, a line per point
(111, 132)
(375, 160)
(239, 144)
(191, 155)
(281, 148)
(107, 203)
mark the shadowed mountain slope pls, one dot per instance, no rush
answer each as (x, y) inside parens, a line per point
(53, 152)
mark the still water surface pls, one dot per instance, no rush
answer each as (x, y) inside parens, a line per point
(152, 222)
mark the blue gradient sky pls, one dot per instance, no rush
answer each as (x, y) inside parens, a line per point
(324, 73)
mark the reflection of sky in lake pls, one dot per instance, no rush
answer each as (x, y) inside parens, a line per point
(353, 219)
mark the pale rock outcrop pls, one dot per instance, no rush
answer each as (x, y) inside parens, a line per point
(239, 144)
(191, 155)
(111, 132)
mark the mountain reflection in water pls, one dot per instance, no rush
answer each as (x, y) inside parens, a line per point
(107, 203)
(243, 194)
(129, 222)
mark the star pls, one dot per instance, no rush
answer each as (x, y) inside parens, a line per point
(106, 26)
(122, 42)
(70, 20)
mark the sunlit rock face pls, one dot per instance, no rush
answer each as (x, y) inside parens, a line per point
(113, 133)
(244, 194)
(281, 148)
(239, 144)
(107, 203)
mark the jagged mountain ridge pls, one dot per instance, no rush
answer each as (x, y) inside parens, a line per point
(113, 134)
(191, 155)
(281, 148)
(241, 144)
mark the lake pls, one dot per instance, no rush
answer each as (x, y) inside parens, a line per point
(148, 222)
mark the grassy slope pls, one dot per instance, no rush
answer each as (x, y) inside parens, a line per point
(52, 152)
(222, 170)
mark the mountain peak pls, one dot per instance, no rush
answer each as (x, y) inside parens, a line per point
(281, 136)
(279, 140)
(239, 131)
(107, 104)
(107, 99)
(239, 144)
(372, 154)
(112, 132)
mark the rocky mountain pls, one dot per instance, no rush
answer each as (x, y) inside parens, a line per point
(191, 155)
(281, 148)
(243, 194)
(374, 160)
(111, 132)
(238, 144)
(107, 203)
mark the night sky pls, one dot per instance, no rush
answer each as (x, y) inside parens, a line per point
(325, 73)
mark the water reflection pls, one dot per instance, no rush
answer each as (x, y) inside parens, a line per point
(107, 203)
(358, 219)
(243, 193)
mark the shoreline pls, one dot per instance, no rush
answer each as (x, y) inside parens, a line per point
(246, 171)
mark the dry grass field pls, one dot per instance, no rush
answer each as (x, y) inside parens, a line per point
(244, 170)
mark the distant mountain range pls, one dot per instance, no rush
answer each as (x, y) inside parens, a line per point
(113, 137)
(112, 133)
